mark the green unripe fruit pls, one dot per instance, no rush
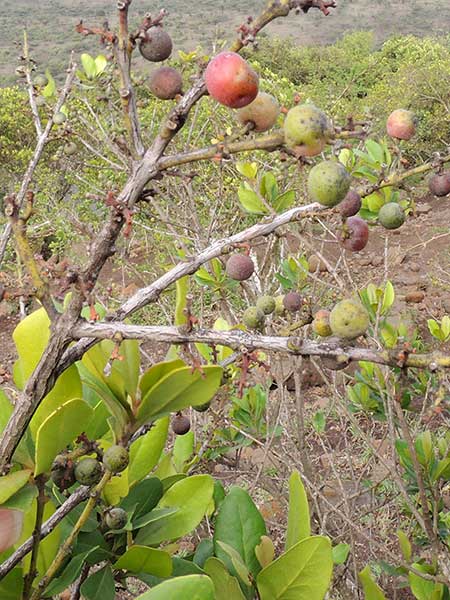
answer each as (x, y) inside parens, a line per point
(70, 149)
(279, 306)
(328, 183)
(391, 215)
(266, 304)
(40, 81)
(292, 301)
(40, 101)
(253, 318)
(349, 319)
(116, 459)
(88, 471)
(59, 118)
(262, 113)
(321, 323)
(116, 518)
(305, 126)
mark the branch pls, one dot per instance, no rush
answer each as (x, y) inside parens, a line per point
(37, 155)
(333, 348)
(81, 494)
(32, 99)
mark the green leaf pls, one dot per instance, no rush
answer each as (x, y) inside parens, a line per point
(12, 483)
(194, 587)
(374, 202)
(388, 298)
(11, 586)
(445, 326)
(265, 551)
(89, 65)
(183, 449)
(143, 497)
(250, 201)
(139, 559)
(304, 571)
(405, 545)
(31, 337)
(299, 526)
(100, 585)
(69, 574)
(240, 525)
(424, 589)
(435, 329)
(247, 169)
(269, 187)
(226, 586)
(6, 409)
(284, 201)
(179, 389)
(192, 497)
(340, 553)
(372, 591)
(237, 563)
(58, 430)
(48, 547)
(23, 499)
(157, 372)
(146, 451)
(153, 516)
(204, 550)
(100, 64)
(375, 151)
(50, 88)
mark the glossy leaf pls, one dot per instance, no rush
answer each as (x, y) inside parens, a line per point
(100, 585)
(22, 499)
(225, 585)
(12, 483)
(69, 574)
(237, 563)
(340, 553)
(88, 65)
(183, 449)
(265, 551)
(424, 589)
(240, 525)
(31, 337)
(179, 389)
(299, 526)
(156, 372)
(11, 586)
(58, 430)
(192, 497)
(304, 571)
(140, 559)
(146, 451)
(250, 201)
(405, 545)
(49, 546)
(372, 590)
(194, 587)
(143, 497)
(100, 64)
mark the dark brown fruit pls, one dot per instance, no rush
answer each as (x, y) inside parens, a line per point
(350, 205)
(355, 235)
(239, 267)
(166, 83)
(180, 424)
(157, 45)
(439, 184)
(292, 301)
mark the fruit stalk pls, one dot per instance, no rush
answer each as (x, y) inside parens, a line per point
(66, 547)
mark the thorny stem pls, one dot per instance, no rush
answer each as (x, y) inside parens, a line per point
(65, 549)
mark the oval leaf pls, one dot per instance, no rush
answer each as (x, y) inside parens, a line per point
(299, 526)
(140, 559)
(304, 571)
(194, 587)
(58, 430)
(145, 452)
(372, 591)
(12, 483)
(226, 586)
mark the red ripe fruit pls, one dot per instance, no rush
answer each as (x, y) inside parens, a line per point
(439, 184)
(239, 267)
(166, 83)
(230, 80)
(401, 124)
(356, 234)
(350, 205)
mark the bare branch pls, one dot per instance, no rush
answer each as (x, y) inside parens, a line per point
(236, 339)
